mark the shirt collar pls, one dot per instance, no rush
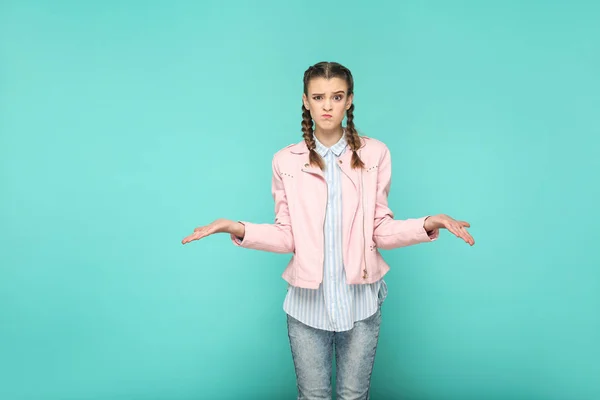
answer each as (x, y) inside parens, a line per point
(337, 148)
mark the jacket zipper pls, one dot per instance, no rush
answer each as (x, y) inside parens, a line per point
(324, 219)
(362, 193)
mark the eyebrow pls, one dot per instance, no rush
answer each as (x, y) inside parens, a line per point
(323, 94)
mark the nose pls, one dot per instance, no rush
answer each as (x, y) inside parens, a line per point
(327, 105)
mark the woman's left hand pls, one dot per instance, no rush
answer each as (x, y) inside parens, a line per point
(443, 221)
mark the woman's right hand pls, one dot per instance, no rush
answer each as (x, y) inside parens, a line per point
(218, 226)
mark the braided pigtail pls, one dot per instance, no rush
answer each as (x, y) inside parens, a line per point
(352, 138)
(307, 134)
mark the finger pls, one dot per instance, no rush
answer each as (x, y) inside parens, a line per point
(464, 234)
(453, 229)
(467, 237)
(471, 240)
(460, 232)
(198, 234)
(464, 224)
(190, 238)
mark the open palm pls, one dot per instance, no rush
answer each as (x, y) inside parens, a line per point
(217, 226)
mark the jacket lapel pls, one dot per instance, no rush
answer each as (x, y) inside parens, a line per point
(301, 150)
(345, 163)
(315, 170)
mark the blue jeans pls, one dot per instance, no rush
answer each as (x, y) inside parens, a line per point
(354, 357)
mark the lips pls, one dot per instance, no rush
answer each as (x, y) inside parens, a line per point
(326, 116)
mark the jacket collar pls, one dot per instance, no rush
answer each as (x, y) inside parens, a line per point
(337, 149)
(344, 162)
(301, 148)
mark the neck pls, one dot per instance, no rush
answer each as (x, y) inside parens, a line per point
(329, 137)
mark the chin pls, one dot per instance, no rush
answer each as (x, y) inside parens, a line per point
(328, 125)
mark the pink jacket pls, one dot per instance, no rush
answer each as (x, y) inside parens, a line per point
(300, 194)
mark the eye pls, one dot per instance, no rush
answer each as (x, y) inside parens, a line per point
(338, 97)
(317, 98)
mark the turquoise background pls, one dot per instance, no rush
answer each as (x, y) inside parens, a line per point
(125, 124)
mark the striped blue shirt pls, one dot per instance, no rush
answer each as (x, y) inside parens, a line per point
(335, 305)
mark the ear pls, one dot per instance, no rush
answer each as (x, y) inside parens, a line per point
(305, 101)
(349, 101)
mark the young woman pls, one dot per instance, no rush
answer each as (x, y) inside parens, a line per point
(331, 212)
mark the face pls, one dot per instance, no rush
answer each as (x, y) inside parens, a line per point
(327, 101)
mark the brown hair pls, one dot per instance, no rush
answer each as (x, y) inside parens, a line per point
(330, 70)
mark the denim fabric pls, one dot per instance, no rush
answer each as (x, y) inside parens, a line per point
(355, 349)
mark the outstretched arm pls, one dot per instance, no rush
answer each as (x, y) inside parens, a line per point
(276, 238)
(390, 233)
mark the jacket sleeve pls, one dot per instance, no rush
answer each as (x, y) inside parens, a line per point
(277, 237)
(389, 233)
